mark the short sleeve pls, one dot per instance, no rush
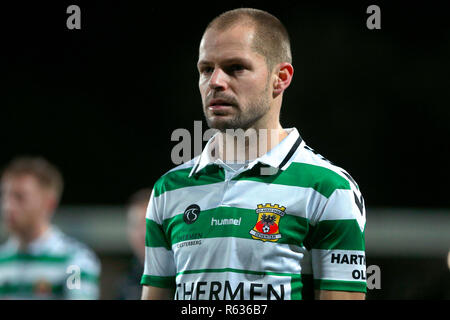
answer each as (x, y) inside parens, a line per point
(337, 244)
(159, 267)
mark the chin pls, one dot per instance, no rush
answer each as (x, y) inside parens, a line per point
(219, 124)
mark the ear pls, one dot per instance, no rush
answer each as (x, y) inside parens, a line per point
(51, 202)
(284, 74)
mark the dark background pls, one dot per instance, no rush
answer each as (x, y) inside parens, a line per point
(102, 102)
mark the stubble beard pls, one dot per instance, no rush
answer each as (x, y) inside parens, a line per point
(244, 118)
(241, 120)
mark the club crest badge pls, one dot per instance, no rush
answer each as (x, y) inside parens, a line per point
(267, 226)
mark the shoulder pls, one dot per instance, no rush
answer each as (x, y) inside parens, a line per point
(174, 178)
(343, 197)
(76, 251)
(315, 171)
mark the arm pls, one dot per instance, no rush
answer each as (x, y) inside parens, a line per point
(155, 293)
(339, 295)
(158, 279)
(336, 240)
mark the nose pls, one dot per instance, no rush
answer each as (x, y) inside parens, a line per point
(218, 80)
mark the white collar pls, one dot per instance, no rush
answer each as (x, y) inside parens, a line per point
(38, 245)
(278, 157)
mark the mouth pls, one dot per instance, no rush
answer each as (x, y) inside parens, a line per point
(219, 104)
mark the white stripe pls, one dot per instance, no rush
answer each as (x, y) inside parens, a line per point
(187, 286)
(298, 201)
(245, 194)
(339, 268)
(87, 261)
(188, 164)
(87, 291)
(237, 253)
(310, 157)
(159, 262)
(340, 206)
(29, 272)
(205, 196)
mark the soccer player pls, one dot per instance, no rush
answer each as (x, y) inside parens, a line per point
(129, 287)
(218, 228)
(38, 261)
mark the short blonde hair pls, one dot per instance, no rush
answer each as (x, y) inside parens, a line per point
(46, 174)
(271, 37)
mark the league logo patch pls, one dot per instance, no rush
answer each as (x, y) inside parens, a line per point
(267, 226)
(191, 213)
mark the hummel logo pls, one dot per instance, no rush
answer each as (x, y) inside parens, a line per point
(217, 222)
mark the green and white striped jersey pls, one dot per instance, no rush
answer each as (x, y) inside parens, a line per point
(53, 266)
(217, 233)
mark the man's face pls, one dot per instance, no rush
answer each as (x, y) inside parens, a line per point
(24, 203)
(234, 79)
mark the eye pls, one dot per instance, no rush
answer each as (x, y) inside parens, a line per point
(206, 70)
(20, 197)
(236, 68)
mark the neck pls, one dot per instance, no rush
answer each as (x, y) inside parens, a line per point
(27, 237)
(240, 146)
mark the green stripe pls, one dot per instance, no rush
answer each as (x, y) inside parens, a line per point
(89, 277)
(180, 179)
(321, 284)
(327, 234)
(28, 289)
(154, 236)
(336, 234)
(259, 273)
(321, 179)
(296, 287)
(157, 281)
(293, 229)
(32, 258)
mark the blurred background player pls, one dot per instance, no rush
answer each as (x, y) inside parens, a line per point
(38, 261)
(130, 287)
